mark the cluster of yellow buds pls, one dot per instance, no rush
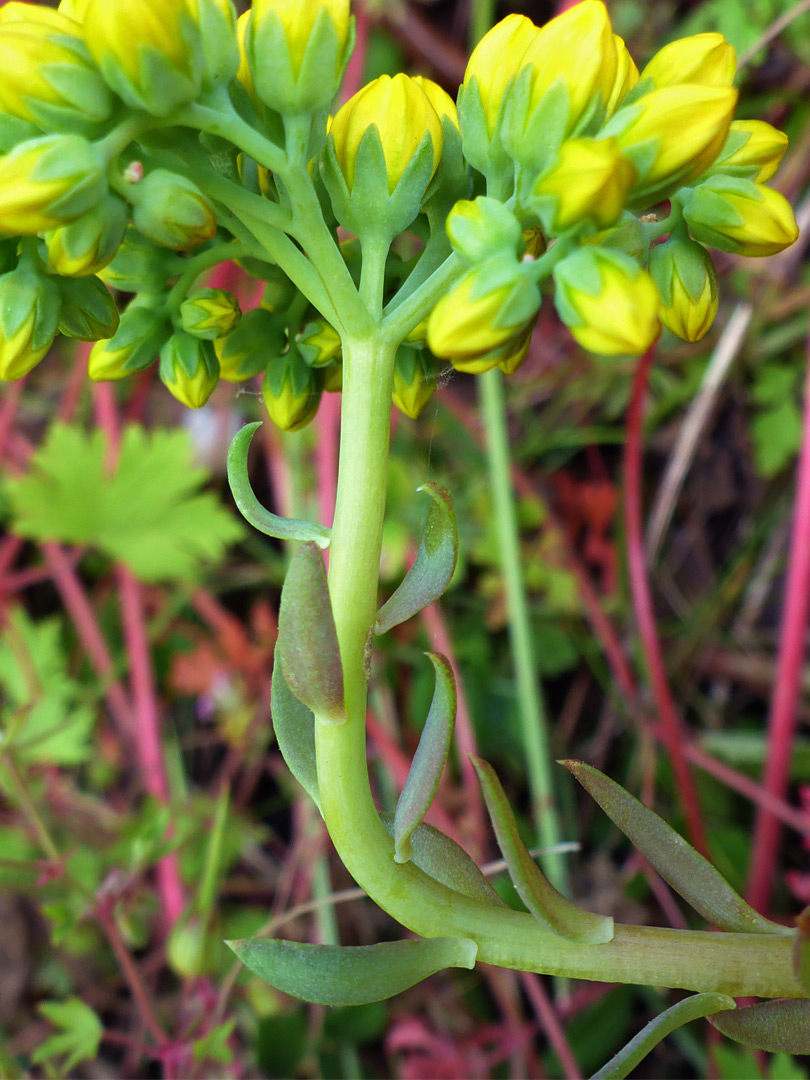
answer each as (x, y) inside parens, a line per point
(576, 150)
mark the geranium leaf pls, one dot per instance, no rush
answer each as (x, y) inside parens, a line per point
(351, 975)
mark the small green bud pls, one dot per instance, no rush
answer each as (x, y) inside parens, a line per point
(48, 182)
(297, 52)
(291, 390)
(589, 181)
(185, 948)
(139, 338)
(414, 380)
(319, 343)
(89, 243)
(246, 351)
(189, 368)
(29, 314)
(138, 267)
(740, 216)
(88, 311)
(482, 227)
(687, 282)
(608, 302)
(279, 292)
(172, 211)
(210, 313)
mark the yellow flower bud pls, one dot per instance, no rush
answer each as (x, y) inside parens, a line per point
(47, 182)
(189, 369)
(74, 9)
(741, 217)
(687, 282)
(578, 49)
(479, 228)
(516, 352)
(674, 134)
(483, 311)
(608, 302)
(402, 115)
(706, 59)
(626, 76)
(48, 78)
(291, 391)
(297, 51)
(90, 243)
(333, 378)
(496, 61)
(319, 343)
(29, 310)
(246, 350)
(414, 381)
(149, 51)
(753, 150)
(210, 313)
(141, 334)
(61, 20)
(243, 74)
(588, 182)
(438, 98)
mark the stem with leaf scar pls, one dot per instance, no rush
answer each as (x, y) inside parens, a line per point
(732, 963)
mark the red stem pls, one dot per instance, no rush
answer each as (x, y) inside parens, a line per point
(672, 724)
(550, 1022)
(792, 647)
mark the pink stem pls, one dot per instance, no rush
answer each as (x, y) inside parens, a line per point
(792, 647)
(550, 1021)
(326, 456)
(353, 78)
(672, 725)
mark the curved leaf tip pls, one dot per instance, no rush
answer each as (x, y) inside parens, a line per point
(249, 506)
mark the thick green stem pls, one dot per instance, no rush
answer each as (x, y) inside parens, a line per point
(737, 964)
(531, 707)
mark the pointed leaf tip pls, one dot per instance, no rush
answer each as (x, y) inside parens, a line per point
(351, 975)
(535, 890)
(690, 875)
(249, 506)
(433, 567)
(781, 1026)
(427, 766)
(307, 644)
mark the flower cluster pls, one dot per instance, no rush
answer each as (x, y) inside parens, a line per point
(144, 141)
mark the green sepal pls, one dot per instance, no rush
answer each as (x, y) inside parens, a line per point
(485, 154)
(307, 645)
(351, 975)
(492, 230)
(427, 766)
(532, 141)
(369, 209)
(249, 506)
(88, 98)
(143, 329)
(138, 267)
(451, 181)
(628, 236)
(294, 725)
(219, 43)
(547, 905)
(683, 1012)
(684, 869)
(95, 237)
(161, 87)
(70, 158)
(14, 131)
(189, 353)
(683, 256)
(21, 292)
(781, 1026)
(447, 862)
(88, 311)
(735, 141)
(579, 272)
(271, 66)
(433, 567)
(251, 345)
(704, 207)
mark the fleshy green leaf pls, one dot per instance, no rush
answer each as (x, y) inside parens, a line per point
(79, 1037)
(433, 566)
(447, 862)
(425, 772)
(250, 507)
(294, 725)
(351, 975)
(534, 889)
(148, 513)
(781, 1026)
(307, 643)
(690, 875)
(684, 1012)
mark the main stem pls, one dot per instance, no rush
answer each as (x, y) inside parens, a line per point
(736, 964)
